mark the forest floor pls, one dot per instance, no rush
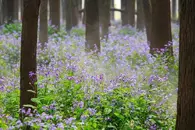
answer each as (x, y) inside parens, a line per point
(124, 87)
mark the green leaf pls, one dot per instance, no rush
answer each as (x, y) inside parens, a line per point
(119, 116)
(107, 111)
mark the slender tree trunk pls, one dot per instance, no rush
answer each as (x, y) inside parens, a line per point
(131, 12)
(92, 26)
(43, 32)
(21, 9)
(68, 16)
(79, 8)
(28, 53)
(161, 26)
(140, 15)
(64, 10)
(55, 13)
(1, 12)
(174, 11)
(112, 6)
(10, 10)
(75, 12)
(186, 90)
(16, 9)
(104, 13)
(147, 9)
(124, 15)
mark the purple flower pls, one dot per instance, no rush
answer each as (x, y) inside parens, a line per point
(69, 120)
(92, 111)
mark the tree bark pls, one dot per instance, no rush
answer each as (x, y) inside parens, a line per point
(28, 53)
(75, 12)
(16, 9)
(104, 13)
(21, 9)
(1, 12)
(68, 16)
(43, 32)
(186, 89)
(92, 26)
(10, 10)
(161, 26)
(140, 15)
(131, 12)
(55, 13)
(112, 6)
(124, 15)
(147, 9)
(64, 10)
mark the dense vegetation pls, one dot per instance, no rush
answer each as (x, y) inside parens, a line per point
(124, 87)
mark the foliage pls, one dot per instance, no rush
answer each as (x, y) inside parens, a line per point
(124, 87)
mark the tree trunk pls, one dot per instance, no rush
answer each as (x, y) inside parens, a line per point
(186, 90)
(124, 15)
(21, 9)
(55, 13)
(174, 11)
(140, 15)
(28, 53)
(43, 32)
(16, 9)
(92, 26)
(75, 12)
(147, 9)
(131, 12)
(112, 6)
(104, 13)
(68, 16)
(10, 10)
(1, 12)
(161, 26)
(64, 10)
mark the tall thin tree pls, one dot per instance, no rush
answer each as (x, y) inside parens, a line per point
(55, 13)
(28, 88)
(92, 26)
(140, 15)
(186, 89)
(43, 32)
(147, 9)
(161, 26)
(104, 13)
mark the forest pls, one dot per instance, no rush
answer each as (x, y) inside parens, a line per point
(97, 65)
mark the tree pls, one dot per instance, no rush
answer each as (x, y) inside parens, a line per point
(147, 9)
(186, 89)
(140, 15)
(1, 13)
(10, 10)
(43, 32)
(161, 26)
(92, 26)
(55, 13)
(104, 13)
(112, 6)
(16, 9)
(131, 12)
(72, 12)
(128, 16)
(124, 15)
(28, 88)
(75, 12)
(68, 15)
